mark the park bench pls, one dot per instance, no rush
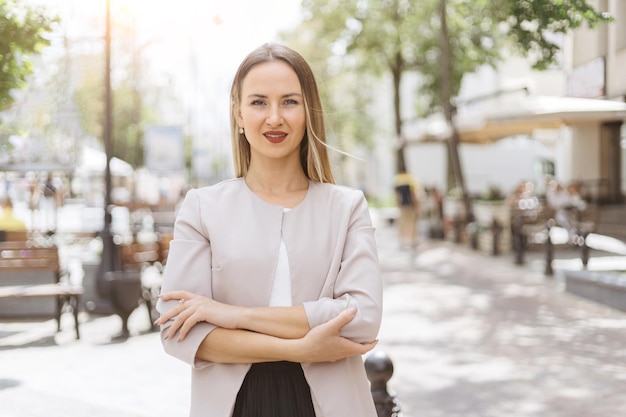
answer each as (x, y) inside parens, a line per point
(11, 236)
(539, 228)
(135, 258)
(529, 227)
(29, 274)
(137, 255)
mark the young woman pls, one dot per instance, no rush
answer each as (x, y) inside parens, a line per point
(272, 288)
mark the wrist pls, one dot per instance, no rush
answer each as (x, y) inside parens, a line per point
(244, 318)
(294, 350)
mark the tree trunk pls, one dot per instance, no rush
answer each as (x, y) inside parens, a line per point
(396, 72)
(449, 111)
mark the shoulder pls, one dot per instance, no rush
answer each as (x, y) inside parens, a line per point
(335, 193)
(337, 190)
(226, 187)
(212, 196)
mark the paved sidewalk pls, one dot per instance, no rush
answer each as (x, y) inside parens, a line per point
(469, 335)
(474, 335)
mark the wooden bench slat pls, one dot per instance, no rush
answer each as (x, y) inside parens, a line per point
(23, 256)
(17, 257)
(29, 264)
(40, 290)
(136, 254)
(63, 293)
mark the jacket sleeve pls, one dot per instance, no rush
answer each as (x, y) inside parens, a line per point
(188, 268)
(358, 283)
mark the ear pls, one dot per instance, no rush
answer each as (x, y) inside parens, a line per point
(237, 114)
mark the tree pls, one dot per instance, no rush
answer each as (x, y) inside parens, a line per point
(130, 92)
(522, 25)
(393, 37)
(130, 112)
(441, 41)
(23, 32)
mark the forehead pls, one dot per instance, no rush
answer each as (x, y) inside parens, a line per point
(270, 76)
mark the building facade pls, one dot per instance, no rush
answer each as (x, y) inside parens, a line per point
(596, 62)
(577, 108)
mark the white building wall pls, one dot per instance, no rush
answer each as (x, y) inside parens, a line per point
(562, 154)
(616, 60)
(589, 43)
(585, 155)
(503, 164)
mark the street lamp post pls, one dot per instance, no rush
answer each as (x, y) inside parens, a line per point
(108, 113)
(110, 258)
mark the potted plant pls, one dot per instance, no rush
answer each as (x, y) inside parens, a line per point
(493, 217)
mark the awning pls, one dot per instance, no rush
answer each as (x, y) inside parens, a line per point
(522, 116)
(94, 161)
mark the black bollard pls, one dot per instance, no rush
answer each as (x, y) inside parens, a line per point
(472, 232)
(496, 229)
(584, 256)
(518, 240)
(125, 295)
(457, 224)
(549, 250)
(379, 369)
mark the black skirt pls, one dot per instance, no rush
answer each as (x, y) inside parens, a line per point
(274, 389)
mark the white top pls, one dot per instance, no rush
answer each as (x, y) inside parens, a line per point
(281, 286)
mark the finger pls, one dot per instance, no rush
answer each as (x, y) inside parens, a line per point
(171, 313)
(178, 322)
(167, 316)
(186, 327)
(366, 347)
(171, 331)
(343, 318)
(175, 295)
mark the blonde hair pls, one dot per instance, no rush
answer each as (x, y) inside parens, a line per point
(313, 149)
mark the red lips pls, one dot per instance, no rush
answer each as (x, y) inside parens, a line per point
(275, 136)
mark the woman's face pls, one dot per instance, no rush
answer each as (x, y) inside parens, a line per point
(272, 111)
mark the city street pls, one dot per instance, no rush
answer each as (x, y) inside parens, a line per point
(473, 335)
(469, 335)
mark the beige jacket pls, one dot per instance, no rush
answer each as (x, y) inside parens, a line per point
(226, 243)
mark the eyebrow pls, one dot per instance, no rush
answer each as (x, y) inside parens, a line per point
(283, 96)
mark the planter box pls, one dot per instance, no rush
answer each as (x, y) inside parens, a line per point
(485, 212)
(453, 209)
(608, 287)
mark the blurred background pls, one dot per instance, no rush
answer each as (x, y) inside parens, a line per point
(111, 109)
(508, 117)
(504, 95)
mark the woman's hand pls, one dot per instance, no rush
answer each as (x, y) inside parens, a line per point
(324, 344)
(195, 308)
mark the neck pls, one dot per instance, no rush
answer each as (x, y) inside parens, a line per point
(286, 188)
(276, 185)
(276, 179)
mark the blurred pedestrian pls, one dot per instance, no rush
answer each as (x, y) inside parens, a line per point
(8, 221)
(406, 198)
(272, 289)
(435, 213)
(49, 204)
(567, 204)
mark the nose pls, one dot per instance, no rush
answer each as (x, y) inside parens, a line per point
(274, 116)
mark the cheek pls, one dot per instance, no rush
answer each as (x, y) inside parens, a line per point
(251, 117)
(299, 119)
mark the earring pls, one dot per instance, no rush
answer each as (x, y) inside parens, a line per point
(241, 130)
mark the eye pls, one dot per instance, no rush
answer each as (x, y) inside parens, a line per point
(257, 102)
(291, 102)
